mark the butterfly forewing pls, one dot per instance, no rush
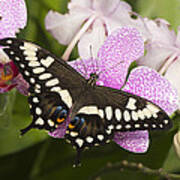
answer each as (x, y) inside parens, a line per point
(128, 112)
(50, 78)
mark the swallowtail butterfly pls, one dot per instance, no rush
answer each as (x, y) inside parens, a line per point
(57, 92)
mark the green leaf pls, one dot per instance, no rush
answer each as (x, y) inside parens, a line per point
(166, 9)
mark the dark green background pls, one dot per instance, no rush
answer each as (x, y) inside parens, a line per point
(39, 157)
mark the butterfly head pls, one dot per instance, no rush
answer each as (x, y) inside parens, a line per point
(93, 79)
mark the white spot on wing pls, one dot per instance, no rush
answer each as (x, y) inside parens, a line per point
(101, 113)
(35, 100)
(47, 62)
(33, 64)
(38, 70)
(134, 115)
(89, 110)
(89, 139)
(66, 97)
(45, 76)
(118, 114)
(100, 137)
(29, 46)
(73, 134)
(39, 121)
(131, 104)
(127, 116)
(118, 127)
(152, 108)
(109, 112)
(52, 82)
(38, 111)
(50, 122)
(79, 142)
(56, 89)
(31, 58)
(32, 80)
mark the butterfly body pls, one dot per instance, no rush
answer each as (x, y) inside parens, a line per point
(58, 92)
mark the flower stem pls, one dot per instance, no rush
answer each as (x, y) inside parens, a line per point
(167, 63)
(120, 166)
(84, 28)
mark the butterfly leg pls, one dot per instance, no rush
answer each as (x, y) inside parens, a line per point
(77, 161)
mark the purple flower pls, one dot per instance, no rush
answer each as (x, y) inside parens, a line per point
(90, 22)
(10, 78)
(119, 50)
(163, 51)
(13, 17)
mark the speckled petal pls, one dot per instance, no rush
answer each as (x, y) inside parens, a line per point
(120, 49)
(61, 130)
(147, 83)
(137, 141)
(21, 85)
(13, 17)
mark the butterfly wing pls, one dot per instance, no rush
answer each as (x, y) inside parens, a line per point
(107, 111)
(54, 85)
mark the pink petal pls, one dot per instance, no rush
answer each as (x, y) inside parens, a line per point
(92, 40)
(137, 141)
(120, 49)
(64, 27)
(14, 17)
(6, 88)
(171, 75)
(147, 83)
(114, 77)
(21, 85)
(86, 66)
(156, 55)
(61, 130)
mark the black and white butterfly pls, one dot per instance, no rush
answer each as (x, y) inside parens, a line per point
(57, 92)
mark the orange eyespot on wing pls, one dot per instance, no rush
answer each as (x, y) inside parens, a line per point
(71, 126)
(60, 120)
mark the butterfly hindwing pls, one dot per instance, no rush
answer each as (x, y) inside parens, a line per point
(108, 111)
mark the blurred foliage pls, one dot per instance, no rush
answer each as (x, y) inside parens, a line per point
(36, 156)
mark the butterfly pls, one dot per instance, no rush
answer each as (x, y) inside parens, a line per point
(58, 92)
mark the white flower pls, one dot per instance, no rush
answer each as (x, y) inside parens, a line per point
(90, 22)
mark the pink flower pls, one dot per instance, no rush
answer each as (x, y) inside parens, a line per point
(10, 78)
(13, 17)
(90, 22)
(163, 51)
(119, 50)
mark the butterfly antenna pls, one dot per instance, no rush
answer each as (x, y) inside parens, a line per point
(85, 68)
(94, 65)
(79, 69)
